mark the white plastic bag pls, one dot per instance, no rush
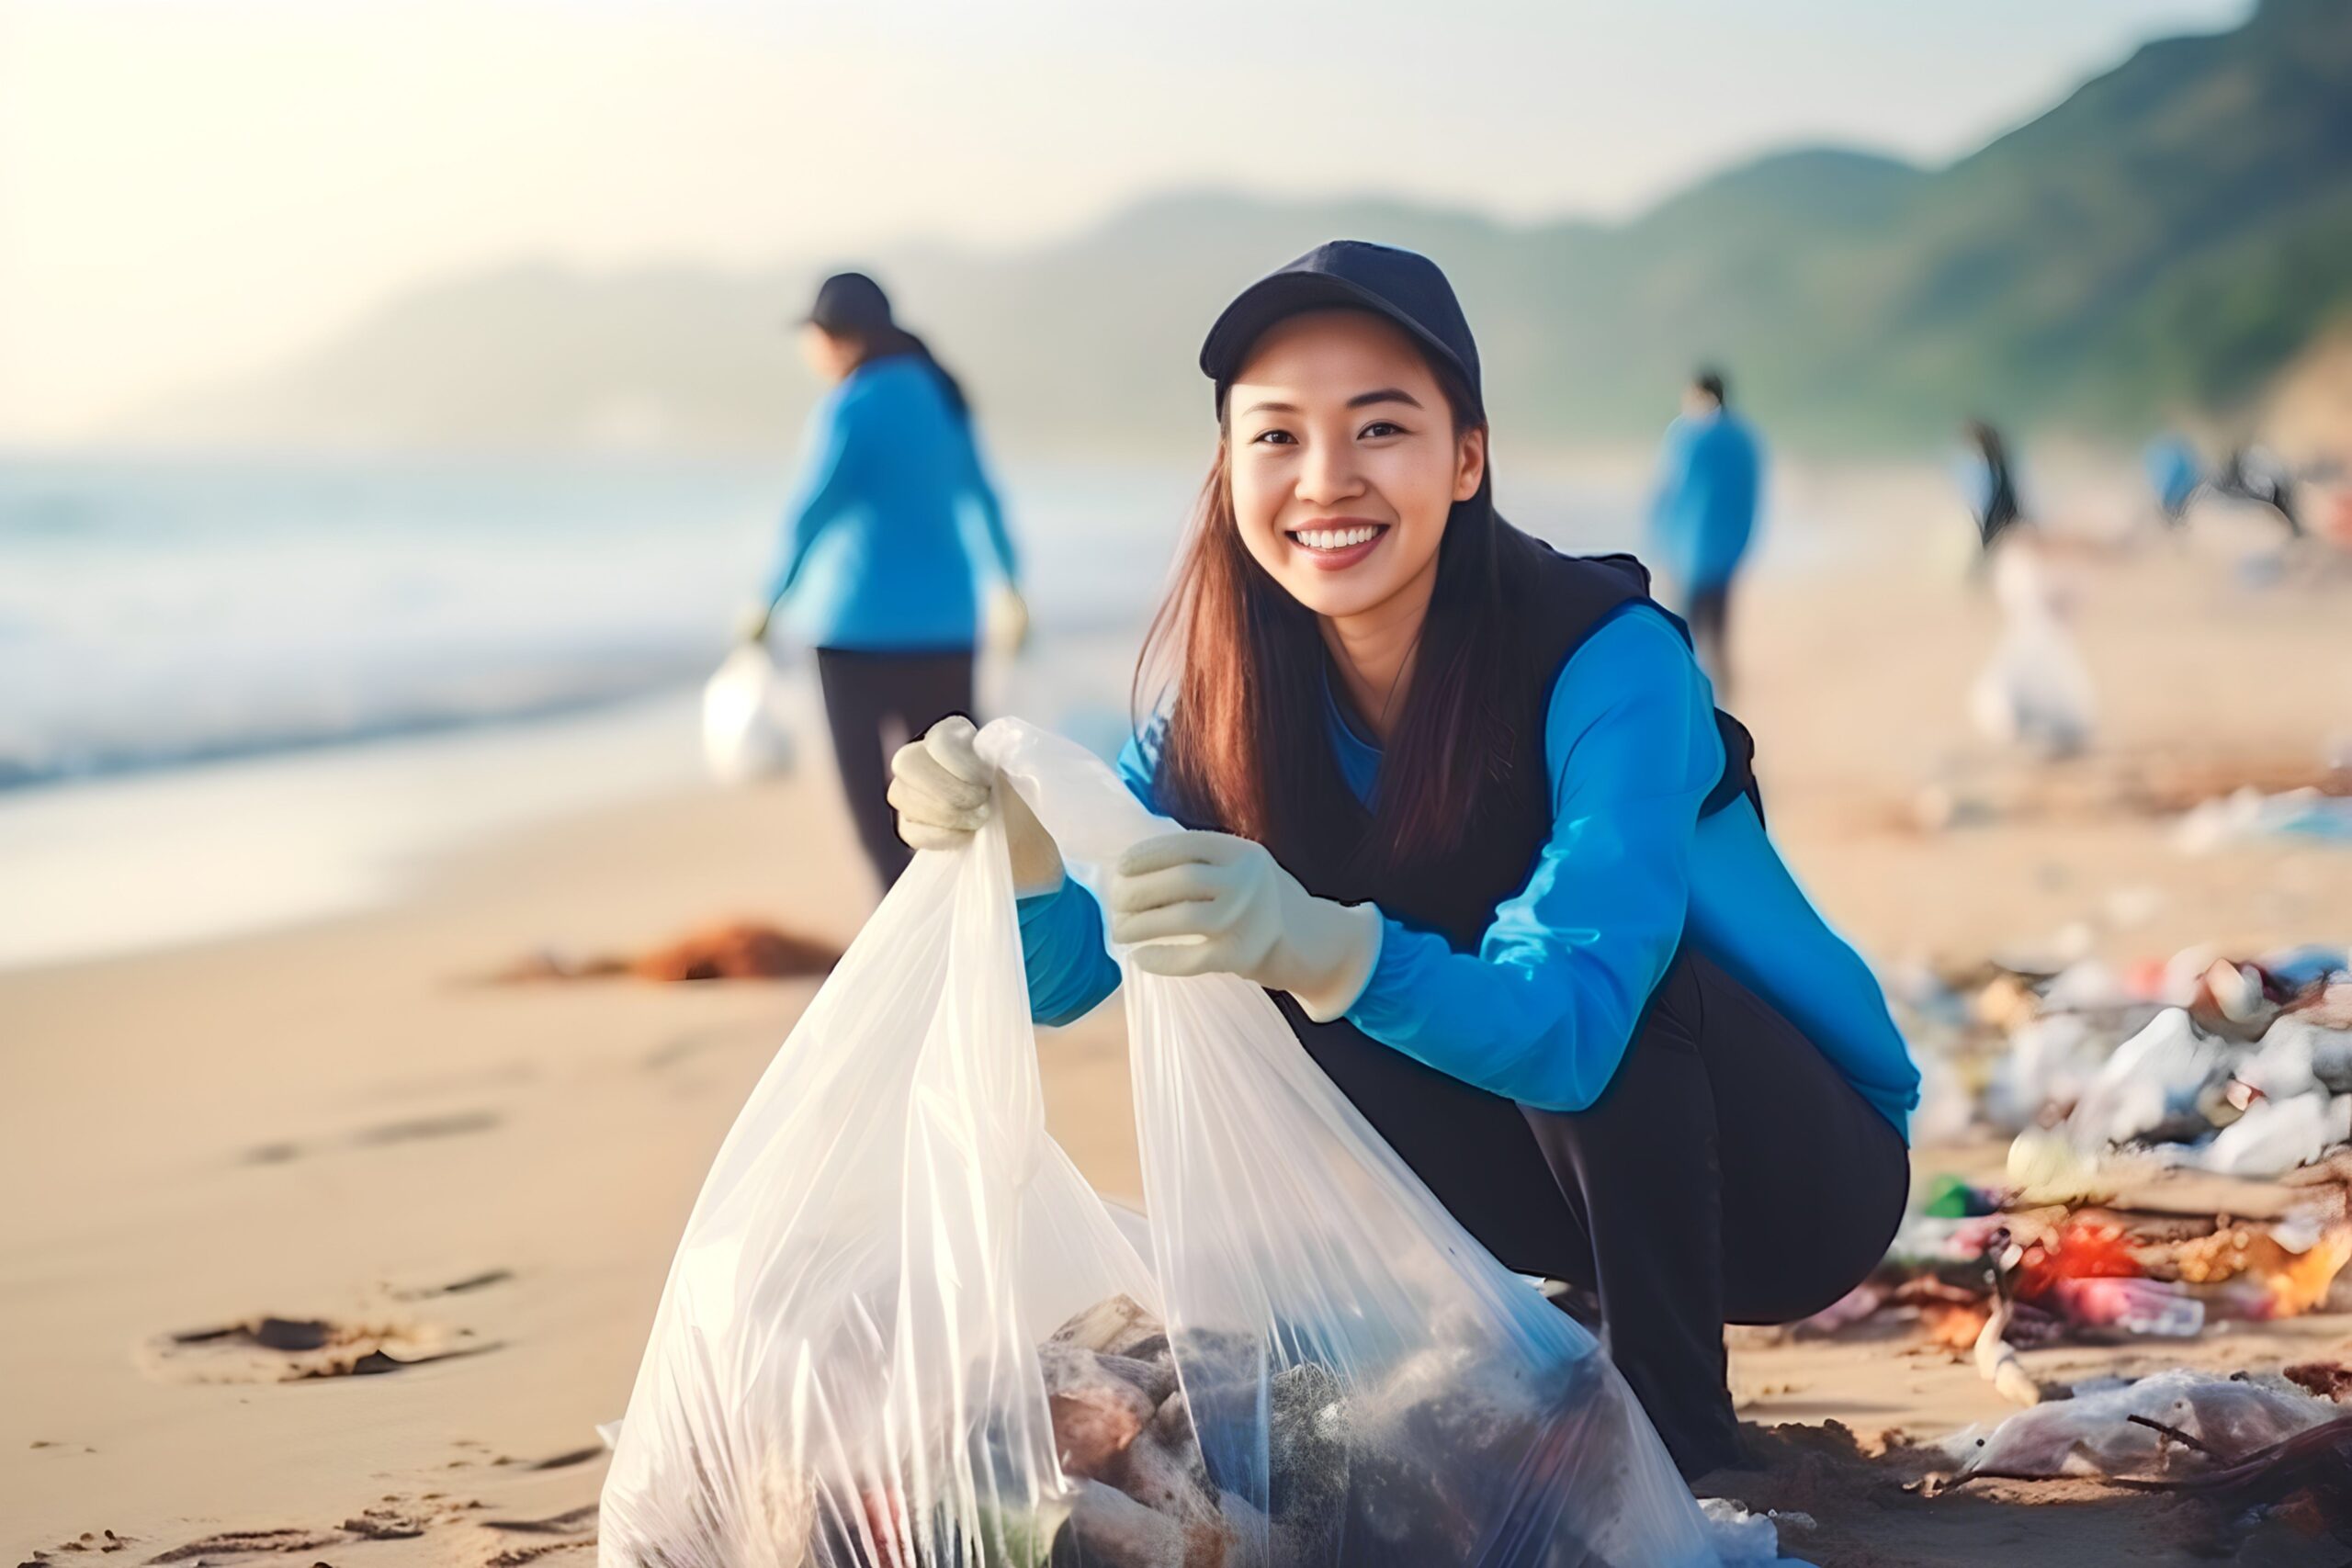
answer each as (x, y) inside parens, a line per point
(1483, 1426)
(2095, 1435)
(2273, 1137)
(2152, 1078)
(845, 1369)
(2035, 692)
(744, 732)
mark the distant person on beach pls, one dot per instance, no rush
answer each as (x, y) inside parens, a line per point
(873, 556)
(1703, 515)
(2252, 474)
(1990, 486)
(2170, 463)
(1466, 808)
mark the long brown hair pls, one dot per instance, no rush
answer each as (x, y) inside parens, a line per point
(1239, 666)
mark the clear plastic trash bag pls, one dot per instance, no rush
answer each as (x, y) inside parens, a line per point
(745, 734)
(846, 1367)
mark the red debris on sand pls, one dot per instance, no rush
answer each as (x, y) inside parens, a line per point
(2083, 1249)
(737, 950)
(740, 951)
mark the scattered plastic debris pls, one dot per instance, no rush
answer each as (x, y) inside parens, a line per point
(2248, 814)
(2159, 1427)
(2164, 1114)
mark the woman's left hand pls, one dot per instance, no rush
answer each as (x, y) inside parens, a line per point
(1210, 903)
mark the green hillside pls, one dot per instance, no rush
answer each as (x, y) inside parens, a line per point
(2164, 239)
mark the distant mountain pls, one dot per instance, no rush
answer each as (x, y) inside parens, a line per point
(2164, 239)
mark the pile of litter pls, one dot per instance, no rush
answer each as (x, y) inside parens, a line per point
(2108, 1080)
(2232, 1066)
(1987, 1284)
(2178, 1162)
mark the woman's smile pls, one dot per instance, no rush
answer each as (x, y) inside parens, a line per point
(1335, 544)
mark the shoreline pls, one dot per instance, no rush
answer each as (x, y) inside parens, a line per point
(339, 1119)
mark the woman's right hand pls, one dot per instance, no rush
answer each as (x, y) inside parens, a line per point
(944, 792)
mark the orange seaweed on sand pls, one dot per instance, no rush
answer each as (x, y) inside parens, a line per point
(731, 950)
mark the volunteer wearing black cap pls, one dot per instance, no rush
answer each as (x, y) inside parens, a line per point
(1466, 807)
(873, 555)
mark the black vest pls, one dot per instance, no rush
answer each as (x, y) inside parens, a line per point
(1473, 1149)
(1556, 602)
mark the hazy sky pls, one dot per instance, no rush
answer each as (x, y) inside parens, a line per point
(189, 188)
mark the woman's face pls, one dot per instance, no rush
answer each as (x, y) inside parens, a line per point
(831, 357)
(1344, 460)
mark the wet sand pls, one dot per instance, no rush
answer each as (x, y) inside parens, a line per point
(321, 1247)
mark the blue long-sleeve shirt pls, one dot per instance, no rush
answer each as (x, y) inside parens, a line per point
(1711, 474)
(874, 554)
(1542, 1012)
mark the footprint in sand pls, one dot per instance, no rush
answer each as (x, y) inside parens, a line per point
(481, 1281)
(99, 1542)
(569, 1532)
(392, 1519)
(566, 1461)
(414, 1129)
(297, 1349)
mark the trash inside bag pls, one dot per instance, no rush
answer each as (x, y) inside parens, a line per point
(2135, 1432)
(744, 732)
(1742, 1539)
(900, 1330)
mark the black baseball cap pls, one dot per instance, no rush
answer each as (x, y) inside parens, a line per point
(1403, 286)
(850, 303)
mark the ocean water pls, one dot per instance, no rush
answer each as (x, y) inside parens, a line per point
(157, 613)
(234, 694)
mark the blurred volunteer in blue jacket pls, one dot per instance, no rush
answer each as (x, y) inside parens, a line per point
(874, 558)
(1466, 807)
(1710, 475)
(2170, 463)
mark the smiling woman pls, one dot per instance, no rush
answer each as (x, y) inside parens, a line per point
(1353, 457)
(1345, 506)
(1467, 807)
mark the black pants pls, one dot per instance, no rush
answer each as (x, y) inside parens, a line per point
(873, 703)
(1709, 615)
(1728, 1174)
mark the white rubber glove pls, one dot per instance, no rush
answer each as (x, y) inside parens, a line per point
(943, 791)
(1210, 903)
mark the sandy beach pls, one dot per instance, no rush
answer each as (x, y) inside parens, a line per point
(476, 1188)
